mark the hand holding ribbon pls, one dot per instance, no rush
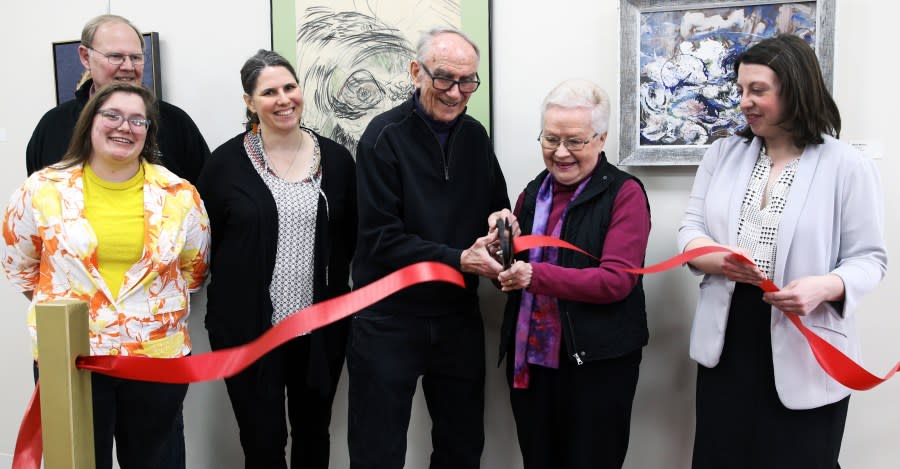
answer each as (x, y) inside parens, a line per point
(834, 362)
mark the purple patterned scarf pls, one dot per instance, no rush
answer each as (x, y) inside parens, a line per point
(538, 327)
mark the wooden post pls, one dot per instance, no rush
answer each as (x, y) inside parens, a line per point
(67, 417)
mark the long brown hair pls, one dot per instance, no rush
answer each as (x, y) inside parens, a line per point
(809, 109)
(81, 147)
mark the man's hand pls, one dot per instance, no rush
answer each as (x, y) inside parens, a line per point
(477, 259)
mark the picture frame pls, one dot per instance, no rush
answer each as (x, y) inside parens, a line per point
(352, 58)
(68, 68)
(676, 92)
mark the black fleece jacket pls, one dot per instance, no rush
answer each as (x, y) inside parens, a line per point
(419, 202)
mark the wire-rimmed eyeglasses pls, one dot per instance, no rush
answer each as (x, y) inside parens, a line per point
(116, 58)
(113, 120)
(552, 142)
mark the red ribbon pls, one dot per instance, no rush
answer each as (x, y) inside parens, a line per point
(834, 362)
(228, 362)
(29, 444)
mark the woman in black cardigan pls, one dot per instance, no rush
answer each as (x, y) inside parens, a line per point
(282, 208)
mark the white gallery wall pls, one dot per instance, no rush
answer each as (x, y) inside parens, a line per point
(535, 45)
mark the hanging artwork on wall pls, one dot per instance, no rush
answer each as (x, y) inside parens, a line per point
(677, 92)
(352, 56)
(69, 71)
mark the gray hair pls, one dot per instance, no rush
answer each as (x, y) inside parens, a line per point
(584, 94)
(423, 47)
(90, 28)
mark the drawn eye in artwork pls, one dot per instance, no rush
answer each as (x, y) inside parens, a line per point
(352, 67)
(363, 91)
(360, 91)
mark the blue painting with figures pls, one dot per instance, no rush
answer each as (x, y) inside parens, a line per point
(687, 92)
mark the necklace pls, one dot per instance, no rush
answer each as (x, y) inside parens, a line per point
(270, 165)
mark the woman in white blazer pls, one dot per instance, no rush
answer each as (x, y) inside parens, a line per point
(808, 210)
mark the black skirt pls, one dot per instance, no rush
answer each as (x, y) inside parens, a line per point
(741, 423)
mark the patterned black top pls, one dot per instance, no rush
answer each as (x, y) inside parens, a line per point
(297, 203)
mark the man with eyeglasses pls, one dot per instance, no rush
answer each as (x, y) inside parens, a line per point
(427, 180)
(112, 50)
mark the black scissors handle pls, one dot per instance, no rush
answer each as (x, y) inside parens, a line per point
(505, 235)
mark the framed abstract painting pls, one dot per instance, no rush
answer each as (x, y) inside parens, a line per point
(677, 92)
(352, 56)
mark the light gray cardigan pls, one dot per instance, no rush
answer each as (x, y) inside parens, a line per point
(833, 222)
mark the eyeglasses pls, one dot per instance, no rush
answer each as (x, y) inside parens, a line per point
(551, 142)
(113, 120)
(118, 59)
(446, 84)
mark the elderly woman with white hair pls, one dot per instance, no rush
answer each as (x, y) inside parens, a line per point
(574, 326)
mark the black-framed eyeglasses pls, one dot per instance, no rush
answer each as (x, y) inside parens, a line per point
(552, 142)
(113, 120)
(446, 84)
(116, 58)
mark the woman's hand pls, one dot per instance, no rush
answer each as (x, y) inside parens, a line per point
(516, 277)
(505, 213)
(804, 295)
(736, 269)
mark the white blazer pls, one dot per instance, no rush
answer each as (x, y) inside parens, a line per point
(833, 221)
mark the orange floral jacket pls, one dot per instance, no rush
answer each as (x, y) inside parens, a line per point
(51, 250)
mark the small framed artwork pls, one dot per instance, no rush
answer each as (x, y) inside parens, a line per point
(69, 72)
(352, 57)
(677, 92)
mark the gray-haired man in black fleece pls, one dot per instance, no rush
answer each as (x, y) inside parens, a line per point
(427, 180)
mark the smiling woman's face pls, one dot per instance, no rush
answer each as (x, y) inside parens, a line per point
(276, 99)
(121, 145)
(761, 104)
(571, 167)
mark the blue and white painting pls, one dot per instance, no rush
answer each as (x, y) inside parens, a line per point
(687, 91)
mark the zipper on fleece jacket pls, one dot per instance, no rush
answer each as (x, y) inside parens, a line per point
(445, 155)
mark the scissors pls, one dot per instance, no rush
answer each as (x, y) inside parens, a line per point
(505, 236)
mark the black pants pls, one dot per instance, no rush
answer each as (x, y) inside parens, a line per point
(577, 416)
(386, 355)
(144, 418)
(257, 396)
(741, 422)
(140, 415)
(174, 453)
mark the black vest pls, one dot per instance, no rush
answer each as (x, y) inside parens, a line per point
(590, 331)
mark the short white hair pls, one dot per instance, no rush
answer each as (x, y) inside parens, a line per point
(423, 47)
(581, 94)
